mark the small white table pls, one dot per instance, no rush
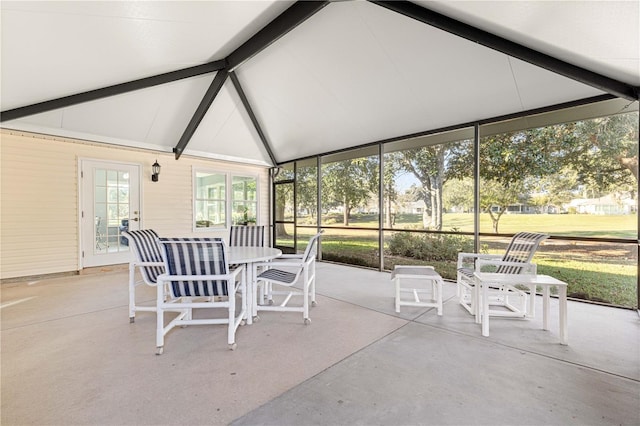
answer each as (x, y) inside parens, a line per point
(428, 275)
(248, 255)
(484, 279)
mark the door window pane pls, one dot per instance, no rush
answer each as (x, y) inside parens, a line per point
(111, 209)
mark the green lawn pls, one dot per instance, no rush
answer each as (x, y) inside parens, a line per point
(575, 225)
(599, 272)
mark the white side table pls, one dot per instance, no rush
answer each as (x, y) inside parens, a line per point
(483, 280)
(425, 274)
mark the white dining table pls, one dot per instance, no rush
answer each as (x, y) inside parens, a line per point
(485, 279)
(248, 255)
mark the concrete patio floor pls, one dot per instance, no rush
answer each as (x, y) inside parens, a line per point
(70, 356)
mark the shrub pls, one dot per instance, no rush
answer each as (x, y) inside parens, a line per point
(430, 247)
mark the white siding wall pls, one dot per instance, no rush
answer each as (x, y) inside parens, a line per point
(39, 229)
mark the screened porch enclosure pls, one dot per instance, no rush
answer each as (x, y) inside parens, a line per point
(408, 131)
(423, 200)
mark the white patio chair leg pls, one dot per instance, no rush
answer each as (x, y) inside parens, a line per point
(159, 321)
(132, 293)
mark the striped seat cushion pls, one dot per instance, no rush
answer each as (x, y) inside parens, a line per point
(467, 272)
(244, 236)
(196, 256)
(278, 275)
(145, 245)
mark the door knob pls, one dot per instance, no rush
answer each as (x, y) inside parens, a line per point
(135, 219)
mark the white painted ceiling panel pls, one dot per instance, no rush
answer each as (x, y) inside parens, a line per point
(155, 116)
(357, 73)
(54, 49)
(227, 131)
(181, 99)
(352, 74)
(603, 36)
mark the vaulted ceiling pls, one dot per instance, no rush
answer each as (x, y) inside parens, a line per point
(266, 82)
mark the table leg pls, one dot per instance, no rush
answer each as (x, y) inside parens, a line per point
(439, 298)
(476, 300)
(250, 292)
(485, 309)
(396, 283)
(564, 328)
(531, 310)
(545, 307)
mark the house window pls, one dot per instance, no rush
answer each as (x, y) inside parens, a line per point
(244, 200)
(210, 200)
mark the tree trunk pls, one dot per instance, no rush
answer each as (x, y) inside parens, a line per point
(280, 229)
(495, 219)
(388, 223)
(346, 213)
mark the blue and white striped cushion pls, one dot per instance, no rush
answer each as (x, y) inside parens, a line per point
(278, 275)
(242, 236)
(145, 246)
(195, 256)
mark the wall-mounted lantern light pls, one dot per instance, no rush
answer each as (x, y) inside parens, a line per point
(155, 171)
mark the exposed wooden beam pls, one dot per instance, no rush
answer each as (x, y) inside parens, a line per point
(116, 89)
(285, 22)
(207, 100)
(508, 47)
(254, 119)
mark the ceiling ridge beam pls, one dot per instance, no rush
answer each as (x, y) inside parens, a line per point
(508, 47)
(252, 116)
(116, 89)
(274, 30)
(201, 111)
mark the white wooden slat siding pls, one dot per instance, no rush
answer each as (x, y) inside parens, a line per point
(39, 198)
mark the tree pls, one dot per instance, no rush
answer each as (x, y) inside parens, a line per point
(496, 197)
(391, 171)
(427, 165)
(458, 194)
(608, 154)
(307, 189)
(349, 183)
(553, 191)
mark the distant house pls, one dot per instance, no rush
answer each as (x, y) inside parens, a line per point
(413, 207)
(609, 204)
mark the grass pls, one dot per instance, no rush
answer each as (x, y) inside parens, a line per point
(575, 225)
(599, 272)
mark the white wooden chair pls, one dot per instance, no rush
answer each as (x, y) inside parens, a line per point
(147, 257)
(198, 277)
(288, 270)
(508, 299)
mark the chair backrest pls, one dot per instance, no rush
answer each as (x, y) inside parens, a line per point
(521, 249)
(312, 248)
(196, 256)
(144, 244)
(246, 236)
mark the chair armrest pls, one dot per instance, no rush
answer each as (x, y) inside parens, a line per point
(290, 256)
(289, 264)
(143, 264)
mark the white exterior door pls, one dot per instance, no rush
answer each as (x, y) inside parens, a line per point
(110, 203)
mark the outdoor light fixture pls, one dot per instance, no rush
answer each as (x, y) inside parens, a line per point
(155, 171)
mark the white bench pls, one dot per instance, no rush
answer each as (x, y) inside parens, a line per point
(424, 275)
